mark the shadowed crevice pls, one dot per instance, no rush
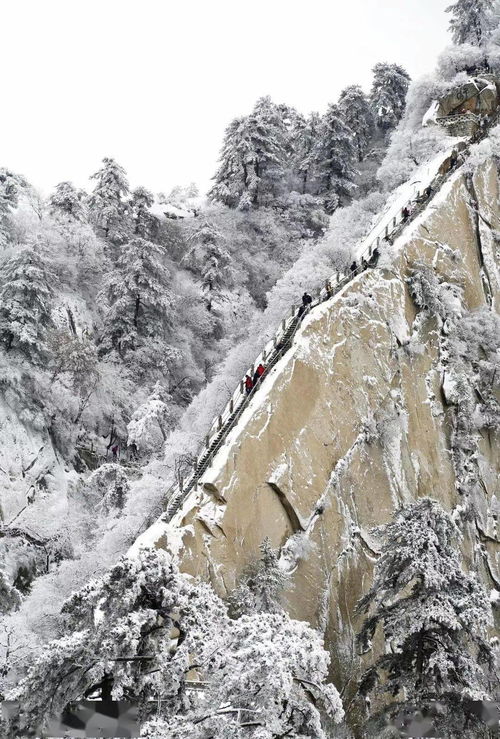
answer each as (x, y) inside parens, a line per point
(289, 509)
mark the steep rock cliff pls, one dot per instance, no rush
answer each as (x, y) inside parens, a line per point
(350, 424)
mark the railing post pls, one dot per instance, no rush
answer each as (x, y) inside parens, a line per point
(195, 466)
(207, 441)
(394, 222)
(231, 406)
(181, 483)
(242, 387)
(283, 324)
(338, 277)
(387, 231)
(219, 423)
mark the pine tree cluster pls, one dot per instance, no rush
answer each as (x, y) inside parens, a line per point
(276, 150)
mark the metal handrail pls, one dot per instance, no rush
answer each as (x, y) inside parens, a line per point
(275, 348)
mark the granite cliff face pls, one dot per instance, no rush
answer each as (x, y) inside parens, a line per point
(354, 421)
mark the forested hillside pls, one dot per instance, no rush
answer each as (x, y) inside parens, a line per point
(118, 307)
(127, 318)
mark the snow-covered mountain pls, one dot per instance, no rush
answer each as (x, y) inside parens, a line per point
(287, 562)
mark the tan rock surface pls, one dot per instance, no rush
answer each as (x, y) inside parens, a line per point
(309, 432)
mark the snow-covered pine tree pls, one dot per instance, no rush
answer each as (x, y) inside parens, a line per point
(261, 586)
(358, 116)
(69, 200)
(26, 293)
(209, 261)
(112, 485)
(253, 158)
(145, 223)
(117, 628)
(388, 94)
(151, 422)
(334, 156)
(107, 203)
(230, 176)
(139, 298)
(265, 160)
(434, 617)
(473, 342)
(145, 631)
(266, 680)
(303, 158)
(10, 185)
(472, 21)
(76, 357)
(293, 124)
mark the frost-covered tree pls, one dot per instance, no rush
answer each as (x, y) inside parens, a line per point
(409, 149)
(267, 680)
(265, 158)
(473, 343)
(303, 157)
(26, 294)
(151, 422)
(471, 383)
(117, 626)
(436, 298)
(230, 178)
(10, 597)
(10, 186)
(358, 117)
(209, 261)
(69, 200)
(388, 94)
(146, 632)
(334, 156)
(75, 357)
(107, 203)
(433, 616)
(252, 158)
(107, 488)
(144, 222)
(262, 584)
(472, 21)
(139, 298)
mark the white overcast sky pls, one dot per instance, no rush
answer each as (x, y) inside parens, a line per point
(154, 83)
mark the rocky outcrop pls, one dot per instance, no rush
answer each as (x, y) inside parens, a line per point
(352, 423)
(477, 95)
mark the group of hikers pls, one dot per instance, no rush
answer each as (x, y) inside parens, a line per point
(446, 167)
(129, 453)
(408, 210)
(251, 382)
(307, 301)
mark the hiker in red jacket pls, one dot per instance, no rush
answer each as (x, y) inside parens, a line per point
(248, 384)
(258, 373)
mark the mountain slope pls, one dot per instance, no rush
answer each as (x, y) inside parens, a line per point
(358, 418)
